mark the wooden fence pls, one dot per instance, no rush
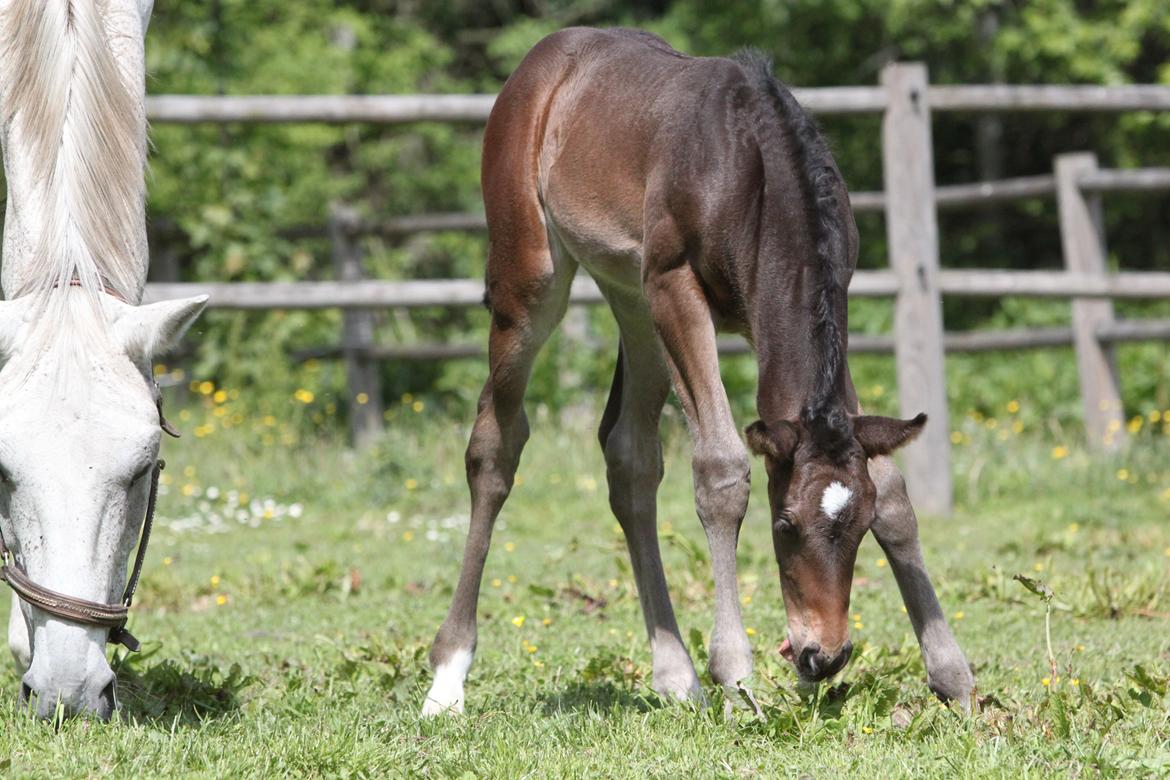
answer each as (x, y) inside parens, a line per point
(910, 203)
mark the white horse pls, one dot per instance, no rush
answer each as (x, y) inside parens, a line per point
(79, 415)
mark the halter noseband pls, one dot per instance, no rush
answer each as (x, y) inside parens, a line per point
(91, 613)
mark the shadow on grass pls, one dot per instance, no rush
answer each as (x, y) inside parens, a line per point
(599, 696)
(188, 692)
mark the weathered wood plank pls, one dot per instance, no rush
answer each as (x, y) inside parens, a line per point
(1082, 239)
(392, 109)
(1050, 97)
(912, 230)
(1126, 180)
(397, 109)
(987, 283)
(362, 375)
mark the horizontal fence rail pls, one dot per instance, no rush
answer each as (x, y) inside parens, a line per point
(419, 293)
(398, 109)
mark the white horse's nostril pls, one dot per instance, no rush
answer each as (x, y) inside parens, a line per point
(107, 700)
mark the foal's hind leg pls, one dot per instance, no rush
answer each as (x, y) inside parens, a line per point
(896, 529)
(633, 457)
(529, 289)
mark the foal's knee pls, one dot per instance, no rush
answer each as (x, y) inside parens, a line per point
(722, 484)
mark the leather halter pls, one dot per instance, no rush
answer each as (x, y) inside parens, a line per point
(92, 613)
(75, 610)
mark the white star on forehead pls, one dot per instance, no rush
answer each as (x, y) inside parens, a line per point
(834, 499)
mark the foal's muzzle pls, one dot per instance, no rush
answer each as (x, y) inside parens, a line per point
(815, 665)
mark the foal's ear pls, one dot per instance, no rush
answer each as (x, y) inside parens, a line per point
(151, 330)
(777, 440)
(883, 435)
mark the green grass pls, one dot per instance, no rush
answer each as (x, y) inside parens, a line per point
(298, 646)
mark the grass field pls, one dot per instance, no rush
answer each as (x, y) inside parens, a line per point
(293, 587)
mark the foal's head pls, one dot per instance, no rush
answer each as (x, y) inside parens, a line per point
(823, 501)
(79, 436)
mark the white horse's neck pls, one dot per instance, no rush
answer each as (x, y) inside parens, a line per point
(72, 84)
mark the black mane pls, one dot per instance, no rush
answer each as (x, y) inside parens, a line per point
(824, 411)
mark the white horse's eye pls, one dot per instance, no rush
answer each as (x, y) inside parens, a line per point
(142, 472)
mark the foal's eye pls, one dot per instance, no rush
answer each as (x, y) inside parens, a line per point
(784, 524)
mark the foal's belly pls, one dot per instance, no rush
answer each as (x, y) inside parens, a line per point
(611, 255)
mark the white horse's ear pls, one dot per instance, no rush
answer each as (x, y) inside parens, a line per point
(151, 330)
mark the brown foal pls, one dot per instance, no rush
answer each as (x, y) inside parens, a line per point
(700, 197)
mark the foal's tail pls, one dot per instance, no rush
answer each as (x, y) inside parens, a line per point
(80, 144)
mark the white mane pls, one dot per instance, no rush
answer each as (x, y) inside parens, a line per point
(76, 130)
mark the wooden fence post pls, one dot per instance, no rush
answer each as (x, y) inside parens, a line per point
(365, 386)
(1082, 238)
(912, 232)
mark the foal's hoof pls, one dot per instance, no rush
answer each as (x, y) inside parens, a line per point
(433, 706)
(953, 683)
(680, 687)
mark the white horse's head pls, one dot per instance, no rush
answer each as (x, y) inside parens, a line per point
(79, 436)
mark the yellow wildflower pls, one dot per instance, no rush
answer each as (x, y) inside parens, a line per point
(1013, 406)
(518, 621)
(1059, 452)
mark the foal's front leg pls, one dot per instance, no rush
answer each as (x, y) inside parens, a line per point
(720, 464)
(896, 528)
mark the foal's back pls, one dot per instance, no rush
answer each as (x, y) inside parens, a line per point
(600, 134)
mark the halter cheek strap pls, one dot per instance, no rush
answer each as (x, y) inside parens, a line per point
(75, 610)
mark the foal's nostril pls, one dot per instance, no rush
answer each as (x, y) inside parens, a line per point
(26, 693)
(838, 663)
(811, 661)
(814, 664)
